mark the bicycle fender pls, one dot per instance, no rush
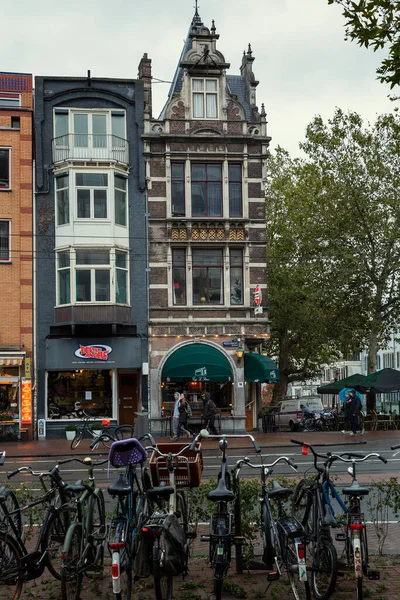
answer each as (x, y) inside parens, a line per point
(357, 556)
(69, 534)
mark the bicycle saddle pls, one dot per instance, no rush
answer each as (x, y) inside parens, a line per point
(221, 493)
(121, 488)
(161, 490)
(76, 487)
(355, 490)
(277, 491)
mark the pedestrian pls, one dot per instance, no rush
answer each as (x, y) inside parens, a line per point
(355, 413)
(306, 413)
(209, 412)
(175, 415)
(184, 410)
(346, 409)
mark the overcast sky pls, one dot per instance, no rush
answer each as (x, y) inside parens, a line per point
(302, 62)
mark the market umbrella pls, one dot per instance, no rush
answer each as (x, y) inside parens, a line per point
(385, 380)
(356, 381)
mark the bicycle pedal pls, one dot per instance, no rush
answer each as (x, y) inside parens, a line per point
(340, 537)
(273, 576)
(191, 535)
(204, 538)
(374, 575)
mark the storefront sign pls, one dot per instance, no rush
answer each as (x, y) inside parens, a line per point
(200, 374)
(26, 402)
(93, 352)
(28, 368)
(230, 344)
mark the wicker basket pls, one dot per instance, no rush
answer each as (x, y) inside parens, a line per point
(189, 466)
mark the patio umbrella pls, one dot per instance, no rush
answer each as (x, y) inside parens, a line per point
(385, 380)
(356, 381)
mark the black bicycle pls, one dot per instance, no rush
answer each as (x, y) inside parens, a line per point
(222, 535)
(284, 538)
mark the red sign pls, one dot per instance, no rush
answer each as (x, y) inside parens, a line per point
(257, 295)
(26, 403)
(97, 352)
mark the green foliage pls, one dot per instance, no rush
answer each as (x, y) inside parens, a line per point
(234, 589)
(375, 24)
(386, 496)
(70, 427)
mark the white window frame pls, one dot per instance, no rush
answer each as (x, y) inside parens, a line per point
(74, 187)
(74, 111)
(7, 260)
(111, 267)
(10, 96)
(9, 188)
(205, 93)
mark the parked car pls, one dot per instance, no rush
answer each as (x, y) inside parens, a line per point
(289, 412)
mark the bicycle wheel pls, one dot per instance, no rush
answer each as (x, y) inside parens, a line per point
(302, 504)
(11, 578)
(163, 583)
(96, 525)
(77, 439)
(309, 424)
(268, 538)
(300, 589)
(71, 574)
(324, 570)
(54, 534)
(11, 504)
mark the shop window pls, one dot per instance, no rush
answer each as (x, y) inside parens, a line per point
(205, 98)
(207, 276)
(236, 275)
(62, 199)
(179, 276)
(178, 189)
(5, 241)
(235, 190)
(5, 169)
(206, 190)
(70, 392)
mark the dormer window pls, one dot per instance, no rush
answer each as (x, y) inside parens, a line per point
(205, 98)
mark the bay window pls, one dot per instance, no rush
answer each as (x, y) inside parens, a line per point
(64, 277)
(179, 276)
(92, 275)
(236, 275)
(206, 190)
(120, 199)
(205, 98)
(207, 276)
(62, 199)
(121, 277)
(91, 195)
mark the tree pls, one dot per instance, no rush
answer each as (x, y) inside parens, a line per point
(305, 308)
(376, 24)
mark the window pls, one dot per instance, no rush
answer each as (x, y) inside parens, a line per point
(208, 277)
(10, 100)
(91, 194)
(89, 129)
(235, 190)
(236, 275)
(64, 388)
(178, 189)
(5, 169)
(120, 199)
(64, 278)
(5, 241)
(205, 98)
(206, 190)
(388, 360)
(121, 268)
(15, 122)
(92, 275)
(62, 199)
(61, 127)
(179, 276)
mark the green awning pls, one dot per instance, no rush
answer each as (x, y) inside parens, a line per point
(260, 368)
(356, 381)
(197, 362)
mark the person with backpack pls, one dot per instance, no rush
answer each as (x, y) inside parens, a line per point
(185, 412)
(209, 412)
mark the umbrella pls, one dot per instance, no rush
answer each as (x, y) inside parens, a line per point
(344, 391)
(356, 381)
(385, 380)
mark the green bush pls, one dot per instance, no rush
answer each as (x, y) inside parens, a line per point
(70, 427)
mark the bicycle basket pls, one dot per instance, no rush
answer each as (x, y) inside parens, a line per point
(126, 452)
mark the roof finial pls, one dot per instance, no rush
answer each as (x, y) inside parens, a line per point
(213, 27)
(196, 12)
(249, 51)
(196, 19)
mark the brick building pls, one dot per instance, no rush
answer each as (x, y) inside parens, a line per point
(16, 329)
(205, 163)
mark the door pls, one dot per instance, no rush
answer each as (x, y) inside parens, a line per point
(249, 416)
(127, 398)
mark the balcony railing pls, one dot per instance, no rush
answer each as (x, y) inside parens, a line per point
(88, 147)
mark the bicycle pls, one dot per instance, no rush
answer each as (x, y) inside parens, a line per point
(167, 526)
(107, 433)
(311, 506)
(355, 534)
(222, 536)
(112, 434)
(284, 546)
(83, 549)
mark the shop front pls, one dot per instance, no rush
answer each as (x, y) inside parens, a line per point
(197, 367)
(15, 396)
(258, 369)
(101, 377)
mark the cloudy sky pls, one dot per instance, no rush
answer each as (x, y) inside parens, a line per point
(303, 64)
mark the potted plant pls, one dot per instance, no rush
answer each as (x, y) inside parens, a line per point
(96, 426)
(70, 431)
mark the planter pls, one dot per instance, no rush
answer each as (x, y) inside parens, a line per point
(70, 435)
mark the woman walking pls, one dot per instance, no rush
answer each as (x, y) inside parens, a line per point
(184, 413)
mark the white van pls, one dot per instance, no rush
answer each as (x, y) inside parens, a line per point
(289, 413)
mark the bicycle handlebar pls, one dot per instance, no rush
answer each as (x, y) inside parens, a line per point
(236, 435)
(246, 461)
(392, 448)
(32, 472)
(88, 463)
(360, 457)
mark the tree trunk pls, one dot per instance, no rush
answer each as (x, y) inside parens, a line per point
(280, 388)
(372, 352)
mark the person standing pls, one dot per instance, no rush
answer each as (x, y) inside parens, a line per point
(346, 408)
(175, 415)
(355, 414)
(209, 412)
(183, 409)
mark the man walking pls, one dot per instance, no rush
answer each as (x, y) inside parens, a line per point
(175, 415)
(209, 412)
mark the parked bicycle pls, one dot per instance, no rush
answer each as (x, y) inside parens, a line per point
(222, 534)
(284, 538)
(107, 435)
(83, 549)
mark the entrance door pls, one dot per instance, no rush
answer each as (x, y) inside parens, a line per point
(127, 398)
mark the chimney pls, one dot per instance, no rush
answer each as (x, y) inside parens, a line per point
(144, 73)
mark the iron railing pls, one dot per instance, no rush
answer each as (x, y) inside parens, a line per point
(88, 147)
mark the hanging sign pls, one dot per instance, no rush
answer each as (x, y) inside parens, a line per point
(26, 402)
